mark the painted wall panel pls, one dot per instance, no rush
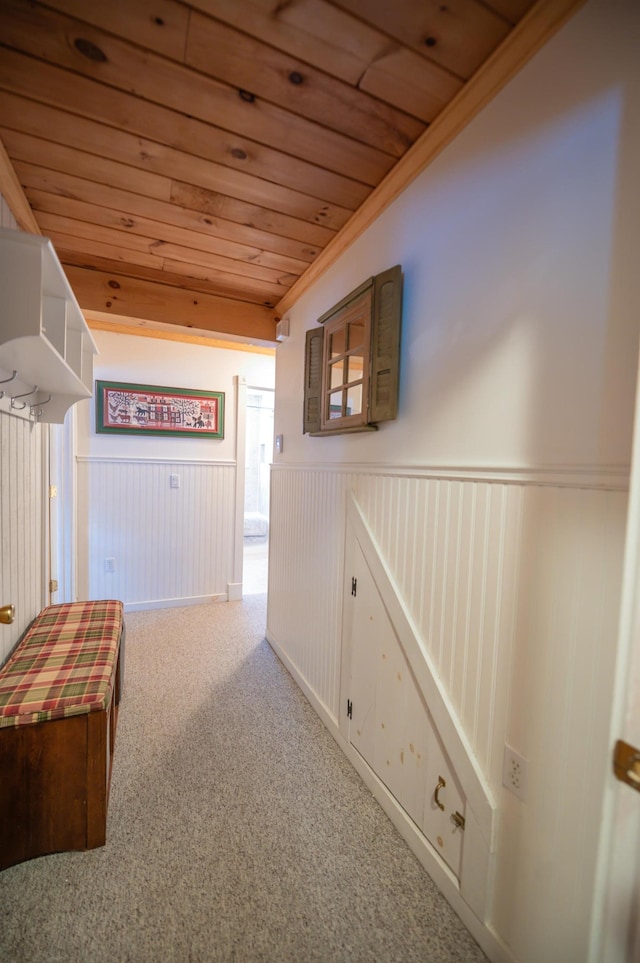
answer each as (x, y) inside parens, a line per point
(514, 591)
(560, 696)
(166, 543)
(21, 525)
(460, 589)
(22, 488)
(305, 589)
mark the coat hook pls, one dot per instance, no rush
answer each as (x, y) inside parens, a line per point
(39, 405)
(6, 382)
(25, 395)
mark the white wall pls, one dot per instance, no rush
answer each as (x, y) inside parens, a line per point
(498, 497)
(170, 546)
(143, 360)
(515, 250)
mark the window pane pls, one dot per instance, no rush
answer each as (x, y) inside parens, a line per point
(355, 367)
(337, 374)
(338, 342)
(356, 333)
(335, 404)
(354, 400)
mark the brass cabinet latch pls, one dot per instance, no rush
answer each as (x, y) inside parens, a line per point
(458, 819)
(626, 764)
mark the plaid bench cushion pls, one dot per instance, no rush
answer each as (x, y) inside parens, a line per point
(64, 665)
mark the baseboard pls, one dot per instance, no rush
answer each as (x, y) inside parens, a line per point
(174, 603)
(448, 885)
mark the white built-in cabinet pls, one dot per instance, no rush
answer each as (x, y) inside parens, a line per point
(403, 733)
(390, 725)
(46, 348)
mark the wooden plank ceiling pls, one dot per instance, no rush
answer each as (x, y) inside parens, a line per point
(190, 161)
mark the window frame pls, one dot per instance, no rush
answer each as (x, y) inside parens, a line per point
(378, 303)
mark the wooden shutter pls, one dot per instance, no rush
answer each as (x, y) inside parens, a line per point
(313, 380)
(385, 345)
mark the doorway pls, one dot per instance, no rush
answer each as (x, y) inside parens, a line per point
(258, 454)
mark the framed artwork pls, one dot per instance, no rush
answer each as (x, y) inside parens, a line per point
(128, 409)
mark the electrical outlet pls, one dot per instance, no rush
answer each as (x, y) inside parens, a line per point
(174, 481)
(514, 773)
(109, 564)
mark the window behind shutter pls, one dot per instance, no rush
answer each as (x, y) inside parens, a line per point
(385, 345)
(313, 379)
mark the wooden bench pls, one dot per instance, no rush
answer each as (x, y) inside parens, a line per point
(59, 696)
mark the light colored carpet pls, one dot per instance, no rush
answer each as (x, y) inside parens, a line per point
(238, 831)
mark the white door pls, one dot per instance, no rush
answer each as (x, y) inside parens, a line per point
(62, 547)
(53, 452)
(257, 468)
(615, 935)
(390, 725)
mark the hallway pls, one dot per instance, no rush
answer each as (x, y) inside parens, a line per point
(237, 829)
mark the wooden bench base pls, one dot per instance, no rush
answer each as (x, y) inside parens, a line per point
(56, 777)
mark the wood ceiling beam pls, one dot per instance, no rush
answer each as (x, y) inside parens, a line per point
(534, 30)
(120, 297)
(14, 195)
(133, 326)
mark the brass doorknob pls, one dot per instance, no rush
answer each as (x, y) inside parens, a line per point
(7, 614)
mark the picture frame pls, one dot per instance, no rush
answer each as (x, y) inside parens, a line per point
(123, 408)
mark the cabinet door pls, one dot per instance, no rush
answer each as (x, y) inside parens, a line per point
(442, 803)
(390, 725)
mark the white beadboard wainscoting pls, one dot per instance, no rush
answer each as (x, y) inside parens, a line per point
(510, 581)
(22, 525)
(169, 545)
(22, 512)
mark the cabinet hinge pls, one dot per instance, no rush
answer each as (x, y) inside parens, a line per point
(53, 585)
(349, 709)
(354, 586)
(53, 491)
